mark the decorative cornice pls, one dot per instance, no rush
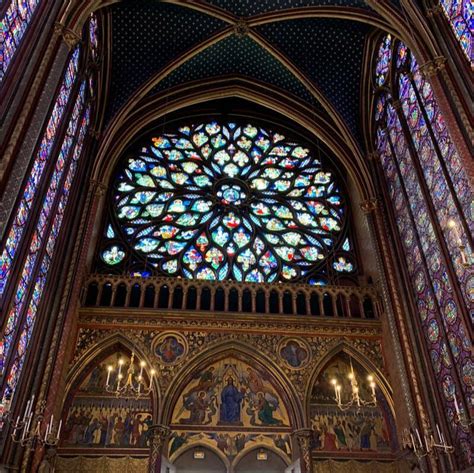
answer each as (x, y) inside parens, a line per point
(431, 68)
(69, 36)
(369, 205)
(146, 319)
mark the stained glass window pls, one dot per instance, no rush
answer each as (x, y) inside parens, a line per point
(56, 185)
(41, 278)
(428, 188)
(460, 14)
(228, 201)
(93, 38)
(34, 179)
(13, 27)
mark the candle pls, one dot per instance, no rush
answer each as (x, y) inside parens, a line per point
(453, 226)
(27, 410)
(419, 438)
(30, 417)
(142, 365)
(439, 434)
(31, 403)
(109, 370)
(456, 407)
(59, 428)
(152, 372)
(413, 442)
(427, 445)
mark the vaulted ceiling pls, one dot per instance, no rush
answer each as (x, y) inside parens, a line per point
(310, 50)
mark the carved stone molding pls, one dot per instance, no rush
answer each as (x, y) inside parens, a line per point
(241, 28)
(303, 438)
(70, 37)
(431, 68)
(94, 133)
(369, 205)
(435, 10)
(159, 434)
(373, 156)
(98, 188)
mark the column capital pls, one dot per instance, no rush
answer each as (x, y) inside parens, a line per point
(396, 104)
(159, 434)
(373, 156)
(434, 10)
(304, 439)
(94, 133)
(98, 188)
(431, 68)
(69, 36)
(369, 205)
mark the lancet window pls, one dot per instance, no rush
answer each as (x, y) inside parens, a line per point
(459, 15)
(226, 200)
(431, 202)
(39, 217)
(13, 27)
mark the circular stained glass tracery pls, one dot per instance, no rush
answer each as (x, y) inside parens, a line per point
(228, 201)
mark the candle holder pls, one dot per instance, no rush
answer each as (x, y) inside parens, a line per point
(460, 416)
(27, 428)
(426, 445)
(134, 386)
(467, 258)
(355, 399)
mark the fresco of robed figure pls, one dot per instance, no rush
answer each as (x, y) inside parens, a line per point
(230, 392)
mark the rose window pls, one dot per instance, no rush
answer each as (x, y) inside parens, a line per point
(229, 201)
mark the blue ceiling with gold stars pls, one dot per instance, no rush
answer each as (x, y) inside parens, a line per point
(246, 8)
(148, 35)
(336, 75)
(238, 56)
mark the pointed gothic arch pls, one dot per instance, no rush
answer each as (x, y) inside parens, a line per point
(220, 351)
(361, 359)
(99, 352)
(219, 454)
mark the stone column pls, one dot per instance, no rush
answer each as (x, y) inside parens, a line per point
(304, 439)
(159, 434)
